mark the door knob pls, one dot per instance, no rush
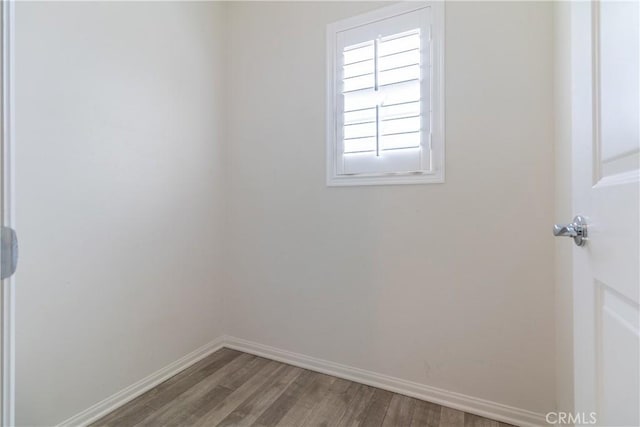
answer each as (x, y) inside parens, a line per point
(577, 229)
(8, 252)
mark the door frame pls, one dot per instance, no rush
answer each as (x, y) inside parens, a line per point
(7, 214)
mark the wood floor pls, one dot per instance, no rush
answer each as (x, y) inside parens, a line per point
(231, 388)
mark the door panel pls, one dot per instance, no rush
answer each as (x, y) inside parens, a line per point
(606, 171)
(617, 41)
(617, 324)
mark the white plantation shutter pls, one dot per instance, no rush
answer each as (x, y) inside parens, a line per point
(381, 103)
(385, 96)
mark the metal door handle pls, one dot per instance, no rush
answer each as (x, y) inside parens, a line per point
(9, 250)
(577, 230)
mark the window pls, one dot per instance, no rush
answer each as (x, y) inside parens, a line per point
(385, 109)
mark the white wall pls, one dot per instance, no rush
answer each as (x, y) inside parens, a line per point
(138, 212)
(563, 205)
(448, 285)
(119, 196)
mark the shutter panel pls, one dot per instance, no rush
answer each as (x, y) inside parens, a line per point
(399, 85)
(384, 88)
(358, 87)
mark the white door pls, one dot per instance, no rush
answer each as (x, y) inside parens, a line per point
(606, 153)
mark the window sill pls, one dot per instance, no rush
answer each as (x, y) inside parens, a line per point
(385, 179)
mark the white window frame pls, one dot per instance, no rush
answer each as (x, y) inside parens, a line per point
(436, 174)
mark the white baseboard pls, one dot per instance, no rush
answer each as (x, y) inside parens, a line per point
(113, 402)
(474, 405)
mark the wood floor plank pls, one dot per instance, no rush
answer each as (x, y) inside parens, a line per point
(377, 409)
(329, 411)
(196, 393)
(263, 397)
(238, 377)
(297, 415)
(426, 414)
(471, 420)
(356, 410)
(268, 373)
(126, 417)
(183, 415)
(286, 400)
(400, 411)
(322, 406)
(451, 417)
(166, 392)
